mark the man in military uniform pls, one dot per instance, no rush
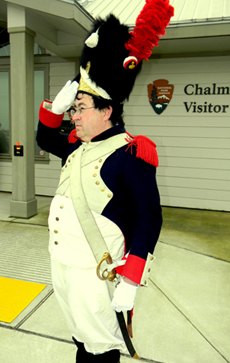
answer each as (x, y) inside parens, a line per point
(109, 179)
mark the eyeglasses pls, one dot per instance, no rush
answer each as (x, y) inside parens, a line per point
(79, 110)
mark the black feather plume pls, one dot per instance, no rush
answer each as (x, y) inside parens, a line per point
(107, 59)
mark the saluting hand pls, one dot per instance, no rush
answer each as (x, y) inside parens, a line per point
(65, 98)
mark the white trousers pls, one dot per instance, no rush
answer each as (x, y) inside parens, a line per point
(86, 305)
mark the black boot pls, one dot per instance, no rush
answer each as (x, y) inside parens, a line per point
(113, 356)
(81, 354)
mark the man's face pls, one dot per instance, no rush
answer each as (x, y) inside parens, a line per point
(91, 122)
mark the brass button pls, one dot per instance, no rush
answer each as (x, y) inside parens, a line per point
(145, 282)
(102, 189)
(69, 160)
(109, 195)
(152, 258)
(57, 219)
(55, 231)
(97, 182)
(96, 167)
(100, 160)
(73, 156)
(61, 206)
(149, 270)
(56, 242)
(65, 165)
(94, 175)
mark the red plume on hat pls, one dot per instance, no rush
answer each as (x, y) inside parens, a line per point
(150, 26)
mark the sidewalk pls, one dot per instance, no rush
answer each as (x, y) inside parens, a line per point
(182, 317)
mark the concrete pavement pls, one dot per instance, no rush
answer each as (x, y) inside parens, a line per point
(182, 317)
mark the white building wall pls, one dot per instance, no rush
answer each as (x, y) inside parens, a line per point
(5, 176)
(193, 147)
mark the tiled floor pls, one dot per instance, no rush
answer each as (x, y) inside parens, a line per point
(182, 317)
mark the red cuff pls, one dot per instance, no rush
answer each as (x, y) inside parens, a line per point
(134, 268)
(49, 118)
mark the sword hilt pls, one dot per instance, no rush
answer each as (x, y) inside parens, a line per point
(106, 275)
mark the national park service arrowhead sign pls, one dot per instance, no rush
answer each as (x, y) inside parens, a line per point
(160, 94)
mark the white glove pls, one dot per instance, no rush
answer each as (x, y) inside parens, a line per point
(65, 98)
(124, 296)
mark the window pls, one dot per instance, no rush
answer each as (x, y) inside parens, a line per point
(5, 112)
(40, 93)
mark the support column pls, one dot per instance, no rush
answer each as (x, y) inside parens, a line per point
(23, 203)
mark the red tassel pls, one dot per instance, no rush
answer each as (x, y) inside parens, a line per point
(150, 26)
(146, 149)
(72, 138)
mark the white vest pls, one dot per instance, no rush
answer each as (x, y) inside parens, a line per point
(94, 155)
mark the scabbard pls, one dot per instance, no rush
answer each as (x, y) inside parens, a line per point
(126, 337)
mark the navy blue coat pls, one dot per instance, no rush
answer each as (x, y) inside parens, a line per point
(135, 206)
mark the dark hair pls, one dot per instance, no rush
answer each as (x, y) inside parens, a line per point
(116, 116)
(101, 103)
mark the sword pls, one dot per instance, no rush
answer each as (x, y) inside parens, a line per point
(111, 275)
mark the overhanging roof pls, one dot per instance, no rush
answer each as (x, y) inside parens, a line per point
(60, 27)
(198, 26)
(186, 11)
